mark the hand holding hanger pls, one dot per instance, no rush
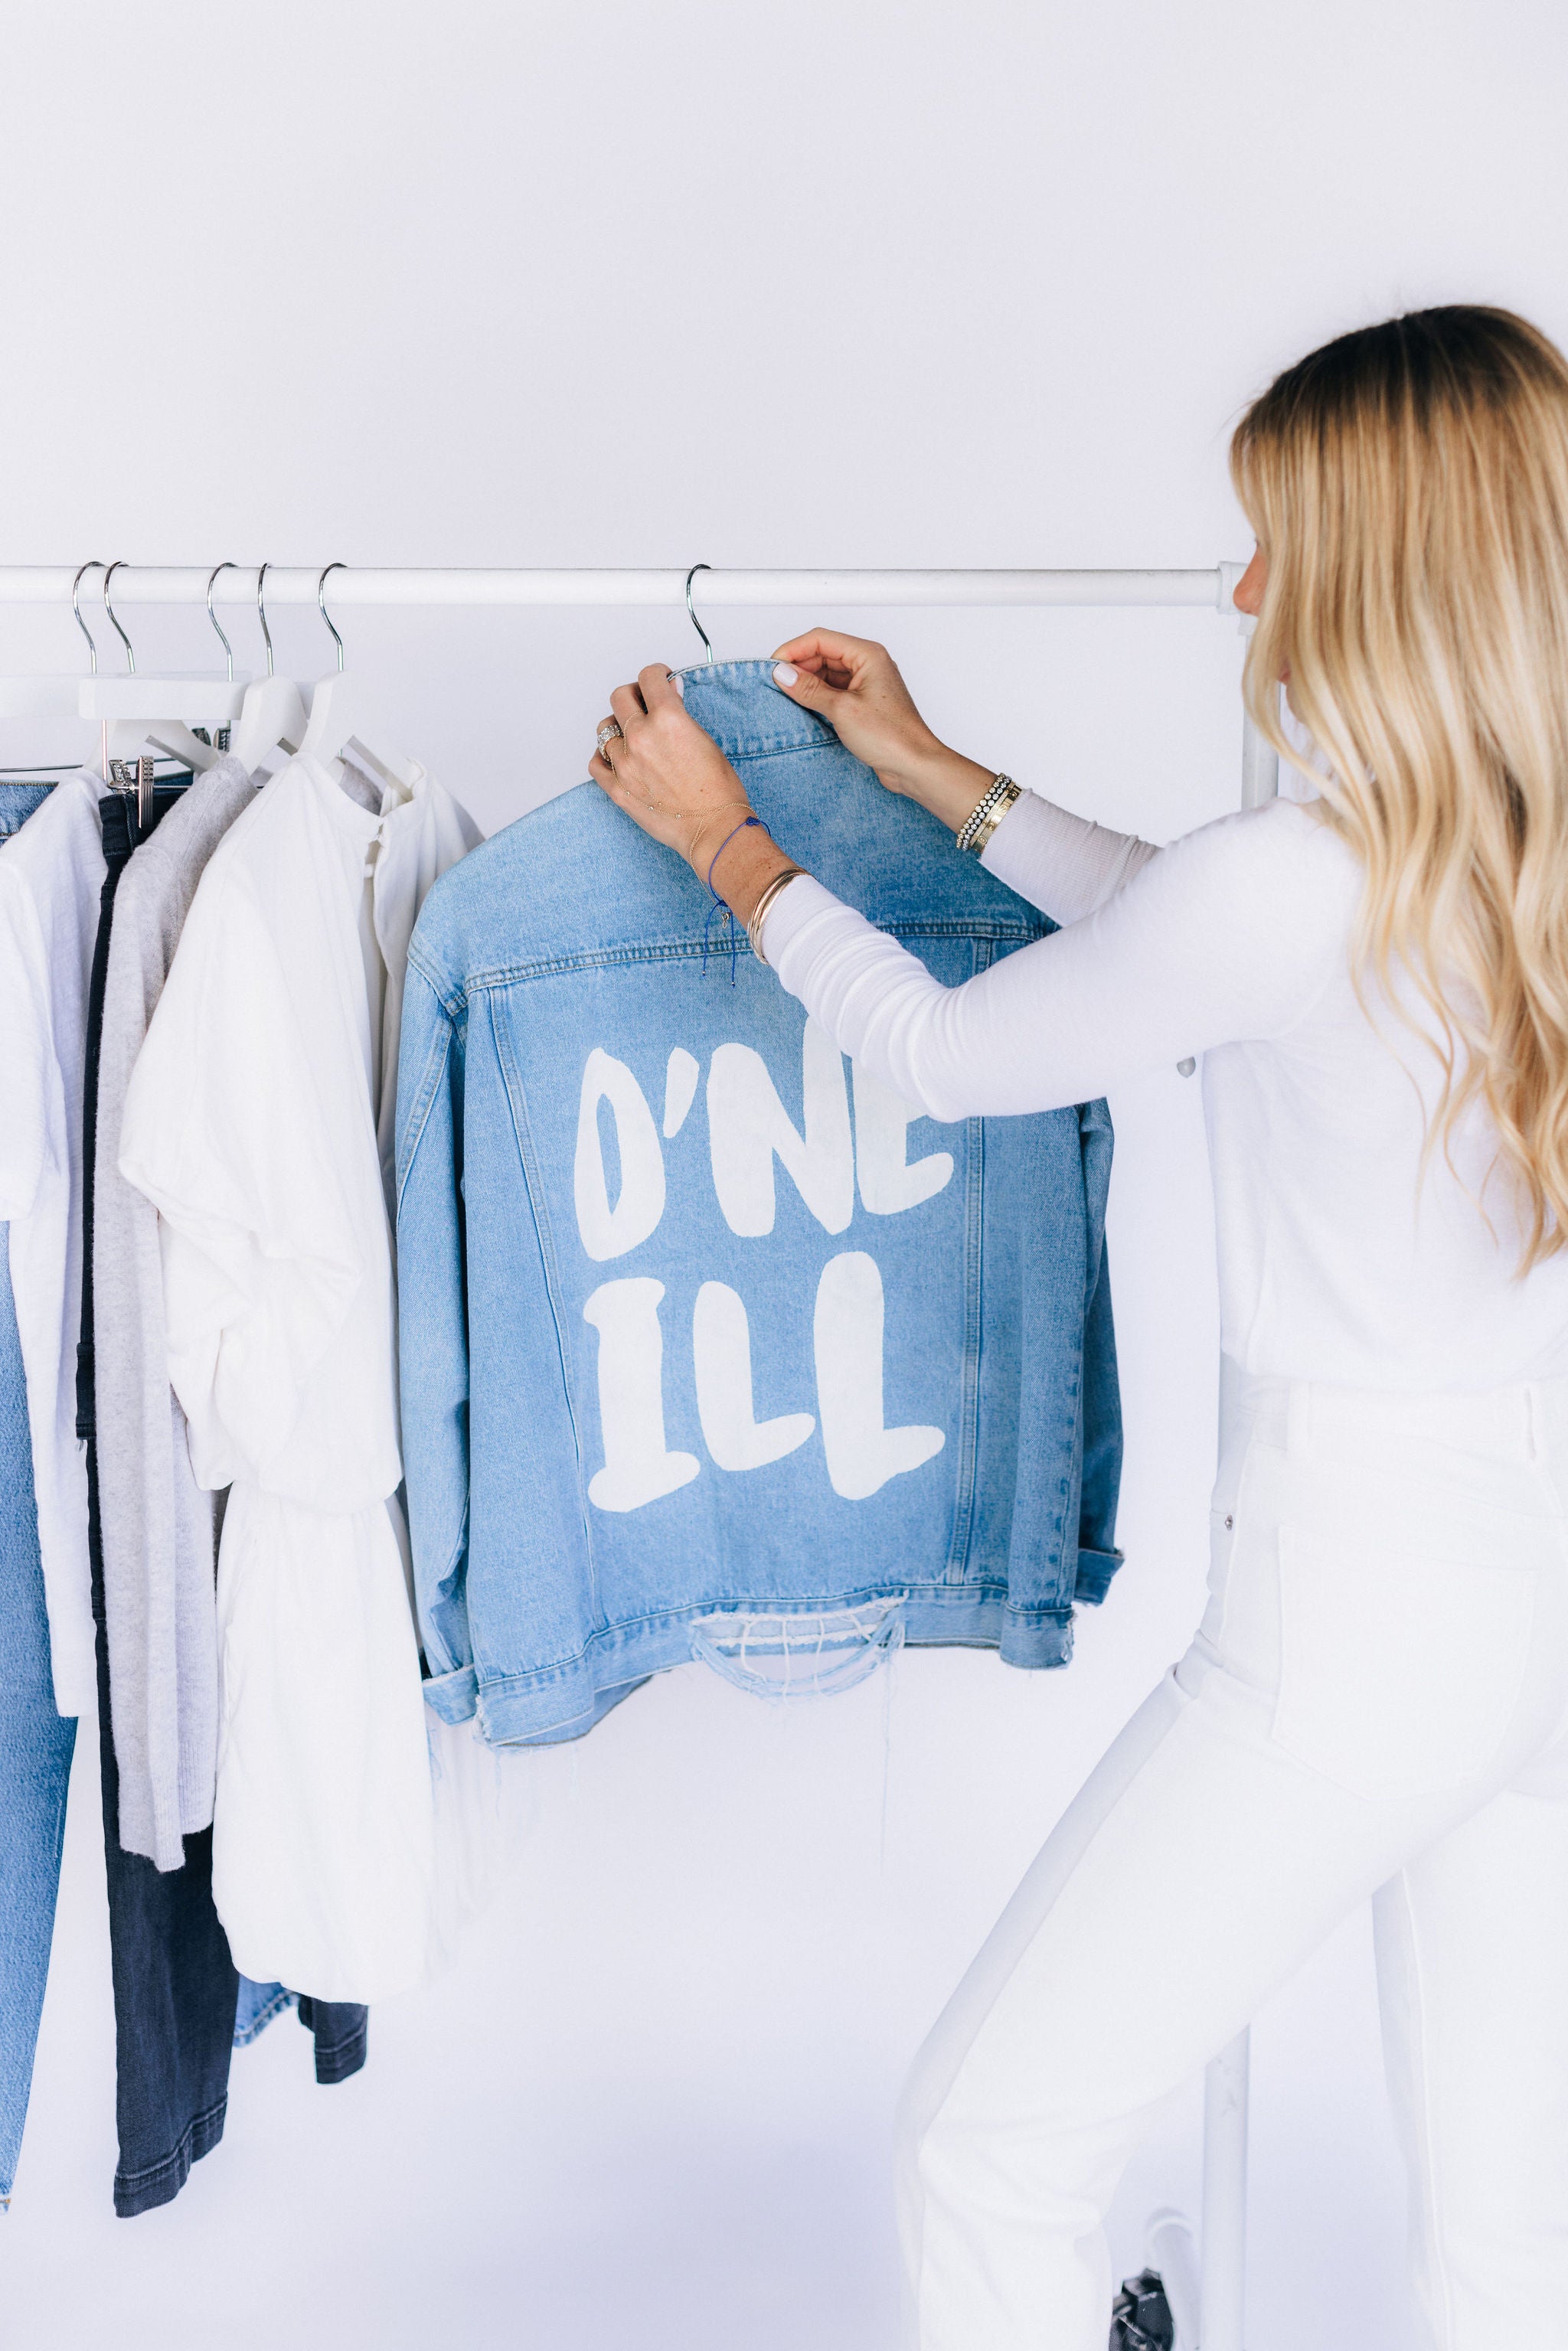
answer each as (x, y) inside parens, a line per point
(672, 778)
(855, 687)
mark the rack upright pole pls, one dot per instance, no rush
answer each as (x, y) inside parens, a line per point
(1222, 2247)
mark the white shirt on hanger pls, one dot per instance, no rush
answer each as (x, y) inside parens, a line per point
(51, 875)
(255, 1124)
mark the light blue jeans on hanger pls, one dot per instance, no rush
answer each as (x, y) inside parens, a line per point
(35, 1745)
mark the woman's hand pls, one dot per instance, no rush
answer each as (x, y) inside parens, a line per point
(855, 685)
(674, 781)
(668, 776)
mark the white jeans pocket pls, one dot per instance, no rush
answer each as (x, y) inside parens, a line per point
(1400, 1673)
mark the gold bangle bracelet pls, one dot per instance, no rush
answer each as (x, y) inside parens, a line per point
(990, 822)
(759, 912)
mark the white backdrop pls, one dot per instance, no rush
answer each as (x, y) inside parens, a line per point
(843, 284)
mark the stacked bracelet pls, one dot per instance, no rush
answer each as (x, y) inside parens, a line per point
(758, 912)
(982, 820)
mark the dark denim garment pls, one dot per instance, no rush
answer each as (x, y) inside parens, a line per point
(339, 2029)
(709, 1347)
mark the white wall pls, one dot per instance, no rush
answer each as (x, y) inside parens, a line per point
(856, 284)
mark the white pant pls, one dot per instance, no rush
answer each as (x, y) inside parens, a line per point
(1373, 1705)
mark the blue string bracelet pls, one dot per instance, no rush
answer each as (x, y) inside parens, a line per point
(719, 905)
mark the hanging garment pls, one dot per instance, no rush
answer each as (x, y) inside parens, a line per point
(251, 1123)
(51, 874)
(17, 803)
(36, 1747)
(175, 1982)
(694, 1363)
(159, 1531)
(339, 2031)
(35, 1741)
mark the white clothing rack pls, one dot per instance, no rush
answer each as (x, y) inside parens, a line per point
(1212, 2275)
(350, 586)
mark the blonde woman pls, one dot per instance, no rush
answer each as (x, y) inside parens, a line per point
(1376, 1703)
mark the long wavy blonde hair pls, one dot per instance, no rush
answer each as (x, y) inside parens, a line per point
(1409, 488)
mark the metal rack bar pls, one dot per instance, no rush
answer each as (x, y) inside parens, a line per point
(354, 586)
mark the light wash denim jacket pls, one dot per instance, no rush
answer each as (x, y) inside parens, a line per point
(708, 1345)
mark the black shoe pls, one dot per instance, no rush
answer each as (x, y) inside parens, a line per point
(1142, 2319)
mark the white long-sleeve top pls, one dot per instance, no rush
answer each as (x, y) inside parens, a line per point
(1339, 1259)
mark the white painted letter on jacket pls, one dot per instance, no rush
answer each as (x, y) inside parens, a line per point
(862, 1454)
(721, 1348)
(890, 1181)
(611, 1231)
(637, 1466)
(747, 1125)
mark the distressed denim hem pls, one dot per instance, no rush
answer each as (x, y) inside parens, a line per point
(160, 2183)
(1095, 1569)
(561, 1702)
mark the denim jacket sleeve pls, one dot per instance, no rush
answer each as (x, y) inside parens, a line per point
(433, 1349)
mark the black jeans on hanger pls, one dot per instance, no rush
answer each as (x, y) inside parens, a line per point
(175, 1984)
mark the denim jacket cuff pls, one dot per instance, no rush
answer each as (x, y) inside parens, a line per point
(455, 1696)
(1092, 1579)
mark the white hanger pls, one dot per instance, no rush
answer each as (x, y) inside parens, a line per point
(273, 710)
(343, 714)
(157, 710)
(39, 697)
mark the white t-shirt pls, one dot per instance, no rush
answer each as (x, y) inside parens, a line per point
(253, 1122)
(51, 875)
(1339, 1259)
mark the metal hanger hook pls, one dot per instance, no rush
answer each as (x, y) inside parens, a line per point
(262, 570)
(692, 609)
(321, 601)
(95, 565)
(228, 649)
(118, 565)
